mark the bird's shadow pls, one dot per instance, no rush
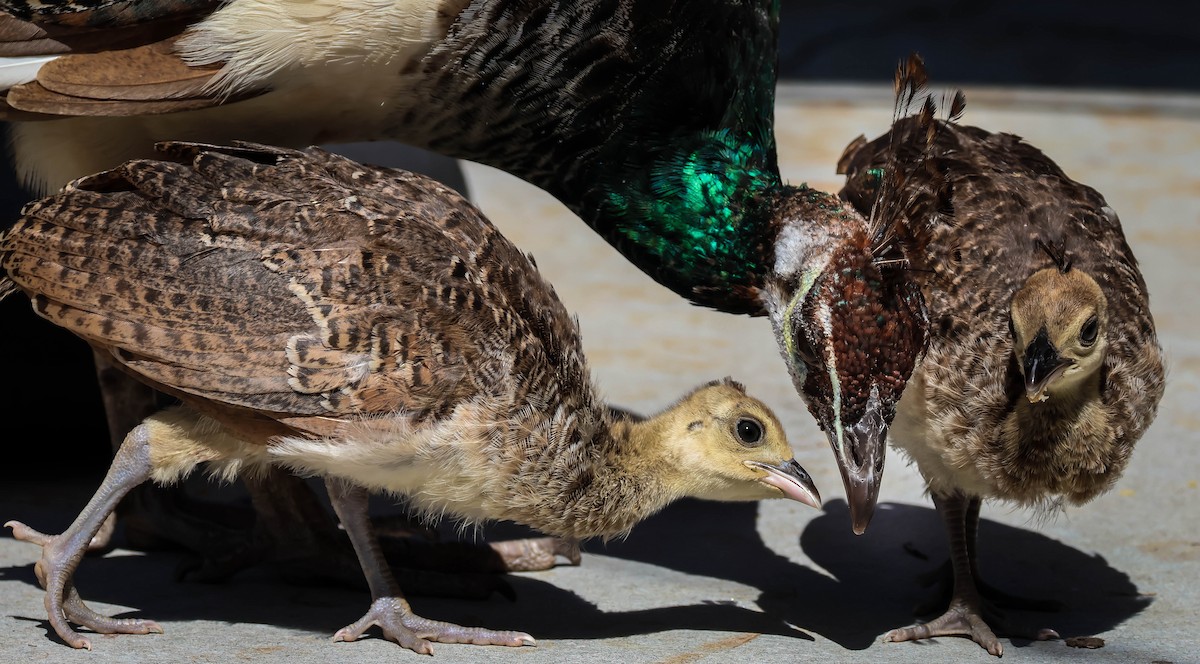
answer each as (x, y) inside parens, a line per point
(873, 583)
(148, 581)
(868, 584)
(541, 608)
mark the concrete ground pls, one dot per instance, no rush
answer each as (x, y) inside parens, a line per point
(776, 581)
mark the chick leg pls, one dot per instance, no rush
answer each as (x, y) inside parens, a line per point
(992, 598)
(964, 617)
(61, 553)
(991, 594)
(126, 403)
(389, 609)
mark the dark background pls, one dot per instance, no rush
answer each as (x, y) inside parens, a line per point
(1074, 44)
(49, 392)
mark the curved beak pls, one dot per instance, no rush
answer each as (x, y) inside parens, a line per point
(790, 478)
(1042, 365)
(860, 456)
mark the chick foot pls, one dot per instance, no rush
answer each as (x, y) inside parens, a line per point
(965, 617)
(388, 609)
(54, 570)
(961, 619)
(402, 626)
(991, 613)
(61, 553)
(962, 521)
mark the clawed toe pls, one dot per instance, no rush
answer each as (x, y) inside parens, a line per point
(957, 621)
(81, 614)
(64, 606)
(402, 626)
(23, 533)
(536, 553)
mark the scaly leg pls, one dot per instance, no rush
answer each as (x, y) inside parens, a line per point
(388, 609)
(991, 594)
(126, 403)
(964, 617)
(992, 598)
(61, 553)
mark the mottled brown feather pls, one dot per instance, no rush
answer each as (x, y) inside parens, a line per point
(1004, 201)
(284, 284)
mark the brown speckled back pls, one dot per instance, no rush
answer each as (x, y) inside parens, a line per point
(296, 282)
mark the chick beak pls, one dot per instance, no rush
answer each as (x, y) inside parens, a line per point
(790, 478)
(1042, 366)
(860, 459)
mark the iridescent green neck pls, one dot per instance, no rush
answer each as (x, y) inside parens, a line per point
(697, 219)
(686, 189)
(651, 120)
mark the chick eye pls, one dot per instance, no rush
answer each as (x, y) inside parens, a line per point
(749, 431)
(1087, 336)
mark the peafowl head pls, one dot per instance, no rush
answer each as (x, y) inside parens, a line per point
(851, 326)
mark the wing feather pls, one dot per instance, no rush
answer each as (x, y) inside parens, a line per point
(297, 283)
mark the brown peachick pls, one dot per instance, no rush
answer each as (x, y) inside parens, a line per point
(1043, 368)
(368, 326)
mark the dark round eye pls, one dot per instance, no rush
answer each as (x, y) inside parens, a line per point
(803, 350)
(1087, 335)
(749, 431)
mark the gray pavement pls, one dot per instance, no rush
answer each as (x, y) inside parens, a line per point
(775, 582)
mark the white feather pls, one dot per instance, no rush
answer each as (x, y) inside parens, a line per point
(264, 43)
(18, 70)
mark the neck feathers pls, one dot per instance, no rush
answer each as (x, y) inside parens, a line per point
(696, 218)
(1066, 446)
(597, 485)
(666, 157)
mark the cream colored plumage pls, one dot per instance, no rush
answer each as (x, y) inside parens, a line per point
(368, 326)
(303, 73)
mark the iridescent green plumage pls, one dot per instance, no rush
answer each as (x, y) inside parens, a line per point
(694, 214)
(697, 205)
(681, 180)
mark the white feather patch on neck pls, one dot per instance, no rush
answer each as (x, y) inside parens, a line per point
(791, 249)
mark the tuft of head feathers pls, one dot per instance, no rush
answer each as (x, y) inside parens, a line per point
(900, 214)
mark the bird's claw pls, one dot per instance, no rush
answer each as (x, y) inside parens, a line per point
(535, 554)
(958, 620)
(63, 603)
(401, 625)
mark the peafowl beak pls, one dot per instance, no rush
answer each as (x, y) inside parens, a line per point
(1042, 365)
(790, 478)
(860, 459)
